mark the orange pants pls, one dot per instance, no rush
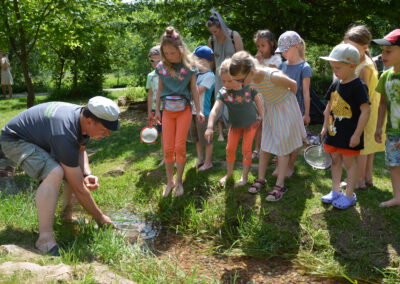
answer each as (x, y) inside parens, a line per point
(175, 130)
(234, 135)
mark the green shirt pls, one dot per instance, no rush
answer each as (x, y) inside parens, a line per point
(389, 86)
(177, 84)
(241, 108)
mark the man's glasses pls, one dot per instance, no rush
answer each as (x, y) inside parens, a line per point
(242, 80)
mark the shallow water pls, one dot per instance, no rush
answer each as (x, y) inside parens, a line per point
(133, 226)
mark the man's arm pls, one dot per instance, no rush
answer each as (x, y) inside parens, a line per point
(74, 178)
(91, 181)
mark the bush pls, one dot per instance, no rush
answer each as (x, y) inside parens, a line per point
(320, 83)
(136, 94)
(83, 91)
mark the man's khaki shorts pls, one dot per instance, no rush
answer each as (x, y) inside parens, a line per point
(35, 161)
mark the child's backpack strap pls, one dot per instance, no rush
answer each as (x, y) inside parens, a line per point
(233, 40)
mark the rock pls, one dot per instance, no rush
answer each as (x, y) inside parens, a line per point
(123, 101)
(37, 273)
(18, 252)
(8, 185)
(17, 271)
(115, 172)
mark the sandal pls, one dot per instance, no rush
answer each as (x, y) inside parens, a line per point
(343, 202)
(369, 182)
(276, 193)
(254, 155)
(256, 186)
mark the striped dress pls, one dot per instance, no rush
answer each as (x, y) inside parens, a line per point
(283, 128)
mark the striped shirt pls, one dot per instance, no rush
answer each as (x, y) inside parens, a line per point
(270, 92)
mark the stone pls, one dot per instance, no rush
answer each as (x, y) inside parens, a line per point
(8, 185)
(18, 252)
(115, 172)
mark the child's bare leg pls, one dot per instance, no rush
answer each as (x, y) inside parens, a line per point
(10, 91)
(229, 172)
(245, 174)
(369, 170)
(169, 169)
(179, 178)
(220, 130)
(292, 160)
(208, 159)
(282, 169)
(351, 166)
(336, 170)
(263, 164)
(199, 150)
(395, 201)
(361, 171)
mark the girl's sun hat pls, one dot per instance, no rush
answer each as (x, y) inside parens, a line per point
(287, 40)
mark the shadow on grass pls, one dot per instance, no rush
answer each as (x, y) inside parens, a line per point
(17, 236)
(368, 240)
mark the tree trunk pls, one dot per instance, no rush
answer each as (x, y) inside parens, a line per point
(60, 75)
(30, 101)
(75, 76)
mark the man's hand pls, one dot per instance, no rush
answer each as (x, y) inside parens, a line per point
(91, 182)
(104, 221)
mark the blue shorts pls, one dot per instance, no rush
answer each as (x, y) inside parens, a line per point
(392, 155)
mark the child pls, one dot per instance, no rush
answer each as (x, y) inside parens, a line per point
(389, 87)
(244, 119)
(283, 129)
(292, 47)
(151, 86)
(346, 115)
(266, 45)
(176, 87)
(205, 87)
(360, 37)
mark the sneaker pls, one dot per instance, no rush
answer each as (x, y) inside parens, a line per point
(221, 138)
(331, 196)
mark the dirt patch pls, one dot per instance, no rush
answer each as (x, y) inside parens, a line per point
(188, 254)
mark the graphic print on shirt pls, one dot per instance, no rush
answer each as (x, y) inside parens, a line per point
(393, 91)
(340, 109)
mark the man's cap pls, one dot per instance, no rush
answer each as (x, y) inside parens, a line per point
(343, 53)
(106, 111)
(205, 52)
(392, 38)
(287, 40)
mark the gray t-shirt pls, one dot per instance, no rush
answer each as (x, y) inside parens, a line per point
(52, 126)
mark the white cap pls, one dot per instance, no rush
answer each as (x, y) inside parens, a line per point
(105, 110)
(343, 53)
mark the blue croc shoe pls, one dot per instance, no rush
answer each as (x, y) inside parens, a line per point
(331, 196)
(343, 202)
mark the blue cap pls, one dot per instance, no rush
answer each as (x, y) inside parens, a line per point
(205, 52)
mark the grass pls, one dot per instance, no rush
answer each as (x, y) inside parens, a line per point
(359, 244)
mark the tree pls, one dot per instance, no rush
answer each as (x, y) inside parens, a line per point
(22, 23)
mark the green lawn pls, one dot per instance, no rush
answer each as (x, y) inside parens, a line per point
(361, 243)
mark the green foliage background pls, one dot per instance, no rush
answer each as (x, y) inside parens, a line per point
(74, 44)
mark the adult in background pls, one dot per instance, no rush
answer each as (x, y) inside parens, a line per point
(224, 42)
(6, 77)
(48, 142)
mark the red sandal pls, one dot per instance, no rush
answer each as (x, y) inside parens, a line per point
(276, 193)
(256, 186)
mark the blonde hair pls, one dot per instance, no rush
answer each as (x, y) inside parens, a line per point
(173, 38)
(302, 49)
(241, 63)
(224, 67)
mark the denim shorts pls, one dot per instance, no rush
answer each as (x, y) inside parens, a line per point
(392, 155)
(36, 162)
